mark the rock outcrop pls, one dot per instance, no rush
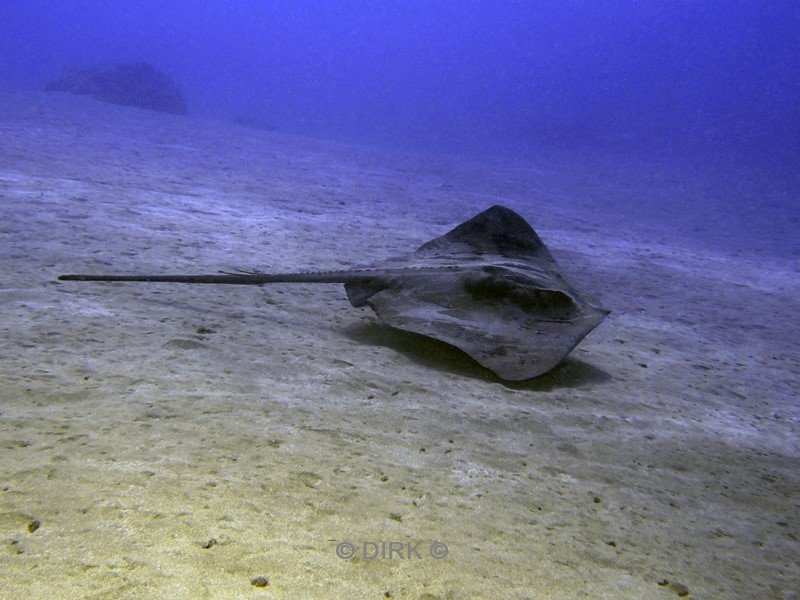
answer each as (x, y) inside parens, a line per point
(131, 84)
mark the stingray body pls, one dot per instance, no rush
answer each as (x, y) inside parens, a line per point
(489, 287)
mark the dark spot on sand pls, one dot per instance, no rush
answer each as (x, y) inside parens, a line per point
(679, 589)
(184, 344)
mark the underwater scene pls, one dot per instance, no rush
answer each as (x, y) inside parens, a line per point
(412, 299)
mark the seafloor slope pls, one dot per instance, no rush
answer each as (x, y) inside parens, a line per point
(171, 440)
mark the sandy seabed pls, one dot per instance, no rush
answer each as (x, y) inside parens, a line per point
(174, 441)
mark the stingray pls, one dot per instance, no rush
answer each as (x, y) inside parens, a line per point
(489, 287)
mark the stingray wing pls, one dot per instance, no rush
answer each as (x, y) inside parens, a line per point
(516, 325)
(498, 231)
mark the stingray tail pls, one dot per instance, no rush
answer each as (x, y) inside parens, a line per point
(230, 279)
(233, 279)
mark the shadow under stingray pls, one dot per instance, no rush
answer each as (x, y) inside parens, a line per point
(434, 354)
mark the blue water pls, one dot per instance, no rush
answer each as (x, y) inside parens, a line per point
(712, 81)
